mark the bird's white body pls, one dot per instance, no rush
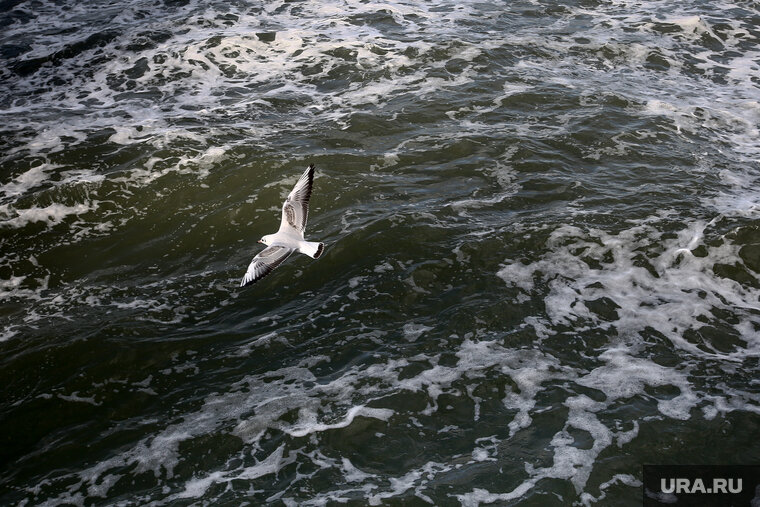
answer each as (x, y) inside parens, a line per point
(290, 237)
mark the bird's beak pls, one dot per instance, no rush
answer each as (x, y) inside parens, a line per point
(261, 241)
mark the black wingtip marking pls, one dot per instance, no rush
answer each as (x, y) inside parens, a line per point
(320, 249)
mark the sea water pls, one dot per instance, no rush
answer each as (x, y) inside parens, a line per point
(542, 263)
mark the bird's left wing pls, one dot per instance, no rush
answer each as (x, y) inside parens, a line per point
(265, 262)
(295, 209)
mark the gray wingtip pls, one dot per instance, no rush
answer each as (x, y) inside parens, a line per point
(248, 280)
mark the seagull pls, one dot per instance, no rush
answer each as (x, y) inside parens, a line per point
(295, 211)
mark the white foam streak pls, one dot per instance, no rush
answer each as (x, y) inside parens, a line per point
(51, 215)
(677, 294)
(587, 499)
(308, 420)
(270, 465)
(625, 376)
(27, 180)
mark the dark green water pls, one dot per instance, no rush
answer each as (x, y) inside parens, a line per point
(542, 266)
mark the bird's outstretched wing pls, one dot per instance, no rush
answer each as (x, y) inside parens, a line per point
(295, 209)
(265, 262)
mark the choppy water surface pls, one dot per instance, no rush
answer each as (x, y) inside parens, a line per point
(542, 265)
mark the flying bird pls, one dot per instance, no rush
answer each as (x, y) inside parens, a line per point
(295, 211)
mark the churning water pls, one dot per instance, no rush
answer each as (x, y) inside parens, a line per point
(542, 266)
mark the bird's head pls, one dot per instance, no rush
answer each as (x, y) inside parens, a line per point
(266, 240)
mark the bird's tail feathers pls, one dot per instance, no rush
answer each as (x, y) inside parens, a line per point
(312, 249)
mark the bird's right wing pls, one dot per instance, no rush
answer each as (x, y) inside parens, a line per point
(295, 209)
(265, 262)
